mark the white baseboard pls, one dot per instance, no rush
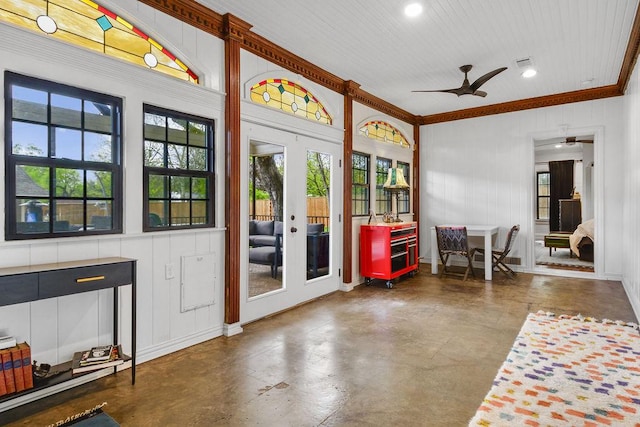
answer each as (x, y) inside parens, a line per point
(168, 347)
(231, 329)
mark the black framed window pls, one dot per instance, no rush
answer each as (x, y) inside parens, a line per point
(383, 197)
(178, 170)
(63, 157)
(403, 196)
(543, 196)
(360, 166)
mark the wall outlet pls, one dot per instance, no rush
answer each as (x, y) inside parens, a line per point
(168, 271)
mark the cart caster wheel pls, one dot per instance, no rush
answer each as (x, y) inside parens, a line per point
(389, 284)
(412, 274)
(367, 281)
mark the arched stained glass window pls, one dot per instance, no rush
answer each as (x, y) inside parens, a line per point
(290, 98)
(87, 24)
(383, 132)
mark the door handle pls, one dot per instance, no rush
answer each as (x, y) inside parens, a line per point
(293, 229)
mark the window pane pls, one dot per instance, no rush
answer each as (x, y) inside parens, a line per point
(68, 183)
(199, 209)
(68, 214)
(98, 117)
(97, 147)
(29, 104)
(158, 186)
(180, 214)
(197, 134)
(99, 184)
(199, 188)
(177, 130)
(154, 154)
(100, 214)
(197, 159)
(29, 139)
(67, 144)
(180, 187)
(66, 111)
(32, 210)
(177, 156)
(32, 181)
(159, 209)
(155, 126)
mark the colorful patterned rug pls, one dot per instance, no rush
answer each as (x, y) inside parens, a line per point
(567, 371)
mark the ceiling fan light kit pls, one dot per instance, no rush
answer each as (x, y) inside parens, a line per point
(470, 88)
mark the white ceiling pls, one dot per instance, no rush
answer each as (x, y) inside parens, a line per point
(574, 44)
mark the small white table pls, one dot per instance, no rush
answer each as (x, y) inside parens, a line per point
(472, 230)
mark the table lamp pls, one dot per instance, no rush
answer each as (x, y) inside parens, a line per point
(395, 184)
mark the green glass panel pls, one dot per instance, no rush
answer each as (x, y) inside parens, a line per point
(199, 188)
(99, 184)
(158, 187)
(68, 182)
(180, 187)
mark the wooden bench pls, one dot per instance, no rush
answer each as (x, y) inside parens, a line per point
(557, 240)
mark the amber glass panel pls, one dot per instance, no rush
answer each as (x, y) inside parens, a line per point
(88, 24)
(383, 132)
(290, 98)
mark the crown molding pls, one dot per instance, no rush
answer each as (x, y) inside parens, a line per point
(213, 23)
(631, 54)
(524, 104)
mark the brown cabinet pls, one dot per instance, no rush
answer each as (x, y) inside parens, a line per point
(570, 214)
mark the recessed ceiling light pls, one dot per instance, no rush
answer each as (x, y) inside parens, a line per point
(413, 9)
(529, 72)
(558, 145)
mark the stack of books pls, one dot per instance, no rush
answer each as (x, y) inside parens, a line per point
(16, 372)
(96, 358)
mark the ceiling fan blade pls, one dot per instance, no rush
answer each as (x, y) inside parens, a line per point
(483, 79)
(439, 90)
(480, 93)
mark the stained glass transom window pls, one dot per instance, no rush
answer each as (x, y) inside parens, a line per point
(290, 98)
(383, 132)
(87, 24)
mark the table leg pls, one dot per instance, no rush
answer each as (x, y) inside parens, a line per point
(434, 253)
(488, 270)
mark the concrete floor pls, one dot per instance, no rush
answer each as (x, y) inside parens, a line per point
(421, 354)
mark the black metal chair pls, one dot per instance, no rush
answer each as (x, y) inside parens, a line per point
(454, 241)
(498, 255)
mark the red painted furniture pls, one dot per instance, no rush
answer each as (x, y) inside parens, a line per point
(388, 250)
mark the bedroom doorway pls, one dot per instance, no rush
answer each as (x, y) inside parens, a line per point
(564, 208)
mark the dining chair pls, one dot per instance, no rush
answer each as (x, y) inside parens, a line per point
(454, 241)
(499, 255)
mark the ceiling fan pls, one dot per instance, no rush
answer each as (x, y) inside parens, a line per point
(570, 140)
(469, 89)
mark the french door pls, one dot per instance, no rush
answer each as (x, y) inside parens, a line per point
(293, 229)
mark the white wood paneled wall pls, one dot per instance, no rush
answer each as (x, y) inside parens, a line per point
(629, 236)
(481, 171)
(57, 327)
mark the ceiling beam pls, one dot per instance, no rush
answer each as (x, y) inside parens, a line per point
(524, 104)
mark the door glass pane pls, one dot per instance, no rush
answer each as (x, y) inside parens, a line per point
(318, 218)
(266, 207)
